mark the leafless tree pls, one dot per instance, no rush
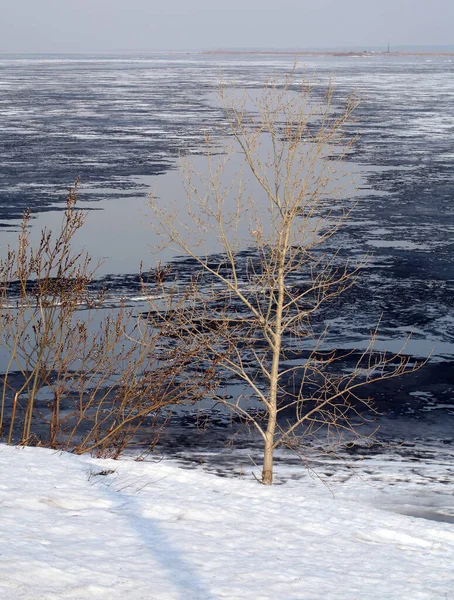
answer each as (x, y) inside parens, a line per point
(258, 299)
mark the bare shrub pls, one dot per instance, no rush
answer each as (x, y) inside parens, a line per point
(79, 376)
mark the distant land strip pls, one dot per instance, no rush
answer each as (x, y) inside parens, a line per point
(323, 53)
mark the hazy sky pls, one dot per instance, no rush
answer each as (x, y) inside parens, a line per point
(110, 25)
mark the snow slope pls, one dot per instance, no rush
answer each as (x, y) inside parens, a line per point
(80, 528)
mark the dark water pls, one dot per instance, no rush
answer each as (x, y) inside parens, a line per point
(119, 121)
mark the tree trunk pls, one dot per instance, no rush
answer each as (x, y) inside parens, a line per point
(267, 472)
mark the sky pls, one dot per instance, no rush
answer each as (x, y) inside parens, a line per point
(147, 25)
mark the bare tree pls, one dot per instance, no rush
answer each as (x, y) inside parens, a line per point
(257, 300)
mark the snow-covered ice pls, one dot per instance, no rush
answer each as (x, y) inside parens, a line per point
(80, 528)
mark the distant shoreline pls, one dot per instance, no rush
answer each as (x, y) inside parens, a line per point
(323, 53)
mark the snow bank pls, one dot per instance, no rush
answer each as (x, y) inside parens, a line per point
(79, 528)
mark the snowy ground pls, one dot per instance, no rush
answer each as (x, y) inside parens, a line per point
(79, 528)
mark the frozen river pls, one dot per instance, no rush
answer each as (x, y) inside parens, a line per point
(120, 123)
